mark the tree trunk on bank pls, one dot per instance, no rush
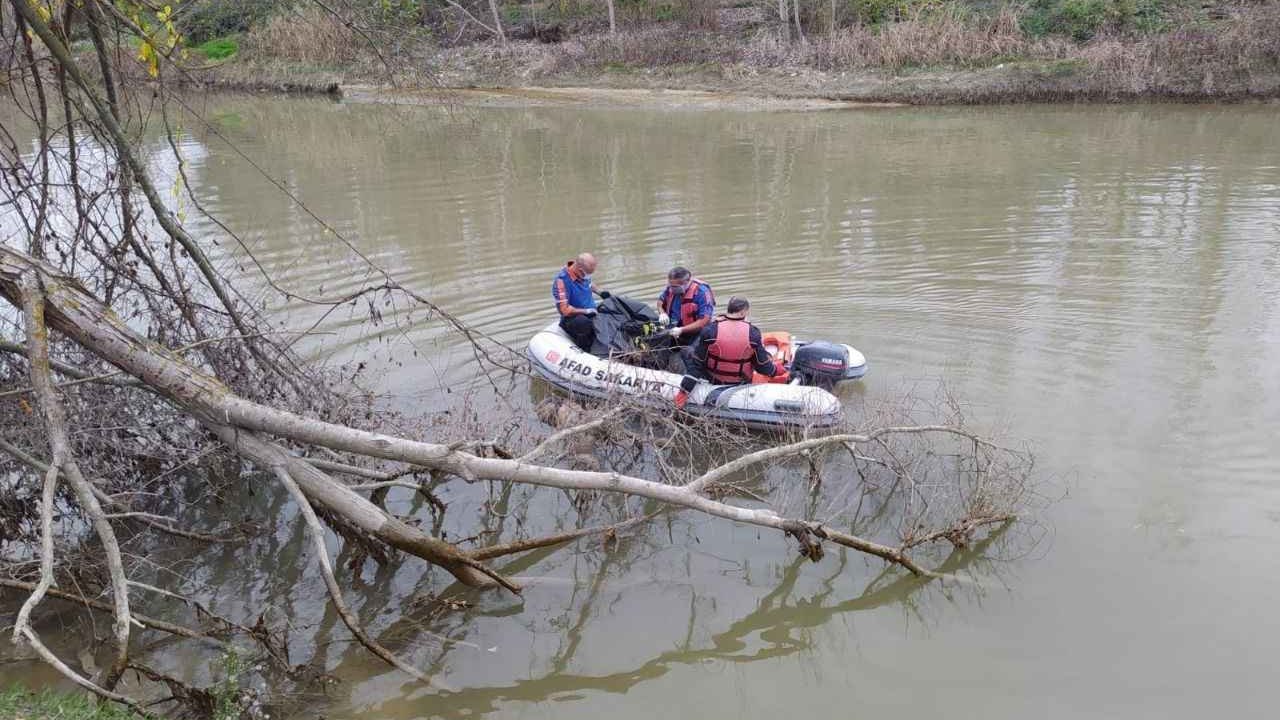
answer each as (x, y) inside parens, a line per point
(497, 22)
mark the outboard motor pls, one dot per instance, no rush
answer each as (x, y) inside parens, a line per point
(821, 364)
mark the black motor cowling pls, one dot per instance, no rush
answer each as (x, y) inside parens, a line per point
(820, 363)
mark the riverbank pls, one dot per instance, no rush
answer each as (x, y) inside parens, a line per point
(741, 65)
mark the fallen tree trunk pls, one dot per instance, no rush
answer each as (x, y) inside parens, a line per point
(321, 489)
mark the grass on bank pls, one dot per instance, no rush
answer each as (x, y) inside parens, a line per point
(19, 703)
(219, 48)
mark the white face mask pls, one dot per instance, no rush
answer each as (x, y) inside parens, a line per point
(587, 277)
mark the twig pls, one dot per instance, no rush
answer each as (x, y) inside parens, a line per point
(200, 607)
(46, 552)
(146, 621)
(962, 529)
(560, 435)
(496, 551)
(71, 370)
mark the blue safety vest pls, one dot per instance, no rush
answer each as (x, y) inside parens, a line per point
(576, 292)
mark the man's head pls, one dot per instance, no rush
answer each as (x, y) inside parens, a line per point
(678, 278)
(738, 307)
(586, 262)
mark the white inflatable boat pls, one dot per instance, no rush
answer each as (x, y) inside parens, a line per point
(805, 402)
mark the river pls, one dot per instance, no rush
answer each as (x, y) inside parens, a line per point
(1102, 281)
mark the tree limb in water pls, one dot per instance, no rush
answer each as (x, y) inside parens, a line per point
(31, 299)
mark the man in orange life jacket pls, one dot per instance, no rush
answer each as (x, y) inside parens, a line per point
(571, 289)
(728, 352)
(688, 303)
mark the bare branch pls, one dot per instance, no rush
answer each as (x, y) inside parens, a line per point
(146, 621)
(46, 553)
(115, 378)
(561, 435)
(496, 551)
(33, 306)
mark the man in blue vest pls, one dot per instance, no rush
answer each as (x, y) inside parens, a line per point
(571, 289)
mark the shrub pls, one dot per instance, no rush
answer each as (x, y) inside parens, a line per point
(701, 14)
(943, 35)
(307, 35)
(203, 20)
(1082, 20)
(876, 12)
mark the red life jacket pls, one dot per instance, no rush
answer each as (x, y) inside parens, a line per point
(688, 301)
(730, 359)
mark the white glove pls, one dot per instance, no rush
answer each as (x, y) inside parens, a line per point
(663, 318)
(675, 332)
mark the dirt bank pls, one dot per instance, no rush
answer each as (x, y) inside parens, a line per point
(732, 87)
(668, 66)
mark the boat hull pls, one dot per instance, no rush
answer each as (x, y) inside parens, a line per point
(564, 365)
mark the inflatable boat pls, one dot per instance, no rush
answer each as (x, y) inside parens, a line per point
(806, 401)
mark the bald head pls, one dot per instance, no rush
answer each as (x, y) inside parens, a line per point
(587, 262)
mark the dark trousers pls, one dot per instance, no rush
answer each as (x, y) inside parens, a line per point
(680, 355)
(690, 365)
(580, 328)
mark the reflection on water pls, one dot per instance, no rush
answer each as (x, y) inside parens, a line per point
(1104, 280)
(778, 627)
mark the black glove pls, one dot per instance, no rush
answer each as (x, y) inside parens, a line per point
(605, 294)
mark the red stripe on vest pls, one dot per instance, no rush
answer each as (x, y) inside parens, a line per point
(730, 357)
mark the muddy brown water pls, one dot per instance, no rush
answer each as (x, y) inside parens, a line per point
(1103, 281)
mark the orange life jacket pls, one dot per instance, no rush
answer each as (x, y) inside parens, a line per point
(688, 301)
(730, 357)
